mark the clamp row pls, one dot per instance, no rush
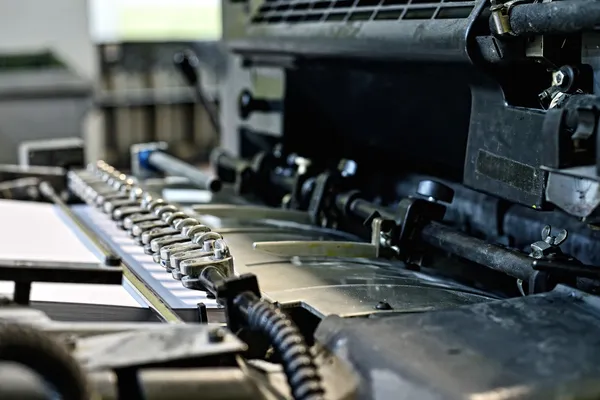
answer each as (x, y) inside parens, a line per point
(176, 240)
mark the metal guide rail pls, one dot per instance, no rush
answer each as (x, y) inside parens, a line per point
(181, 244)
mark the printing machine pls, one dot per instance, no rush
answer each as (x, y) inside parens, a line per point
(422, 222)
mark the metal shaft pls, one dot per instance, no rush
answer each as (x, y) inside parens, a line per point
(174, 166)
(210, 278)
(557, 17)
(448, 239)
(476, 250)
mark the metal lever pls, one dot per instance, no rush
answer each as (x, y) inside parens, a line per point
(380, 243)
(300, 248)
(187, 62)
(251, 212)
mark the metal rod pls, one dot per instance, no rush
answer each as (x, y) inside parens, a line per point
(489, 255)
(174, 166)
(448, 239)
(108, 257)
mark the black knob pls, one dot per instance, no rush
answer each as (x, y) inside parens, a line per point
(247, 104)
(187, 62)
(435, 191)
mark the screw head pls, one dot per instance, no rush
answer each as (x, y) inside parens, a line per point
(383, 306)
(216, 335)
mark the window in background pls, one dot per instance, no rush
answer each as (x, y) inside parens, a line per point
(155, 20)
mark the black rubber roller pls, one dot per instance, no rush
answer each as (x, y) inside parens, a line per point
(49, 359)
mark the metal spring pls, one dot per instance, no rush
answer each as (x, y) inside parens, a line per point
(298, 364)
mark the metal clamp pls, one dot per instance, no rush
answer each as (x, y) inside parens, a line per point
(501, 16)
(166, 232)
(548, 246)
(219, 258)
(545, 249)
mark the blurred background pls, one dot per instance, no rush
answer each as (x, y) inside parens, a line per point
(102, 72)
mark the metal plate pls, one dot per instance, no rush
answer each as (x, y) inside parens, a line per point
(347, 287)
(156, 346)
(537, 347)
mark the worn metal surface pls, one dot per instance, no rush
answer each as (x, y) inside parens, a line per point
(537, 347)
(155, 346)
(577, 195)
(388, 35)
(251, 212)
(179, 384)
(40, 320)
(302, 248)
(555, 18)
(347, 287)
(326, 286)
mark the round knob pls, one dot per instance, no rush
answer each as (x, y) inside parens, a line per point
(435, 191)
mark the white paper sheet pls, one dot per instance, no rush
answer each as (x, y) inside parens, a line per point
(113, 295)
(36, 231)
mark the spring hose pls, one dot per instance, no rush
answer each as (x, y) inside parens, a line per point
(46, 357)
(297, 361)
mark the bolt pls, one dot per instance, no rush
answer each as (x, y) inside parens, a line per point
(216, 335)
(559, 76)
(383, 306)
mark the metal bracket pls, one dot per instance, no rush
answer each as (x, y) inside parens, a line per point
(382, 233)
(549, 245)
(220, 258)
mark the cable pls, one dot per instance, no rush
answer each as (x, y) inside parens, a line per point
(46, 357)
(298, 364)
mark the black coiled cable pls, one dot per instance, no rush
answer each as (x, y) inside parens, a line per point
(46, 357)
(298, 364)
